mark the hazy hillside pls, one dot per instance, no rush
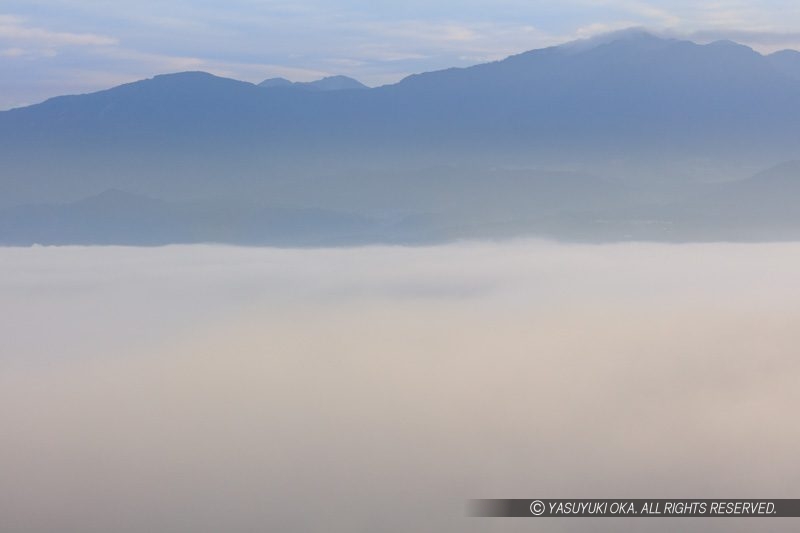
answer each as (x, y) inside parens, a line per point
(117, 217)
(787, 61)
(549, 141)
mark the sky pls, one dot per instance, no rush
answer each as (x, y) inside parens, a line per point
(377, 388)
(53, 47)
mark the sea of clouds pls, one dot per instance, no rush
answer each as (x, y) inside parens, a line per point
(208, 388)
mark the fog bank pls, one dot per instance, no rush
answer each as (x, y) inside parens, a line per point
(206, 389)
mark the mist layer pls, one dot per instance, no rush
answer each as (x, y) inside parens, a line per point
(206, 389)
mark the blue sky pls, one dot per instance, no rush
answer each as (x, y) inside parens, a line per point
(52, 47)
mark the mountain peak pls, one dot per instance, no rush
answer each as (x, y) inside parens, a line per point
(187, 80)
(188, 76)
(329, 83)
(787, 62)
(731, 45)
(631, 35)
(337, 83)
(786, 53)
(275, 82)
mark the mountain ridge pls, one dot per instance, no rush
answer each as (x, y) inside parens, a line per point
(636, 121)
(328, 83)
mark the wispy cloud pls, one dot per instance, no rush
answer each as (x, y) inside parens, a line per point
(645, 11)
(13, 52)
(767, 38)
(17, 30)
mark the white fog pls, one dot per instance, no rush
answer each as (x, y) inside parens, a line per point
(206, 389)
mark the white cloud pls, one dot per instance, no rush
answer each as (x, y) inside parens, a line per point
(598, 28)
(13, 52)
(16, 30)
(646, 12)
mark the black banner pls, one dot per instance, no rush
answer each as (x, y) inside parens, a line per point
(635, 508)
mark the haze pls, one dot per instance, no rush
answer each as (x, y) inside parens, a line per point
(206, 389)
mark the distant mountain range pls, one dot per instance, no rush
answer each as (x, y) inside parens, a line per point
(331, 83)
(117, 217)
(628, 135)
